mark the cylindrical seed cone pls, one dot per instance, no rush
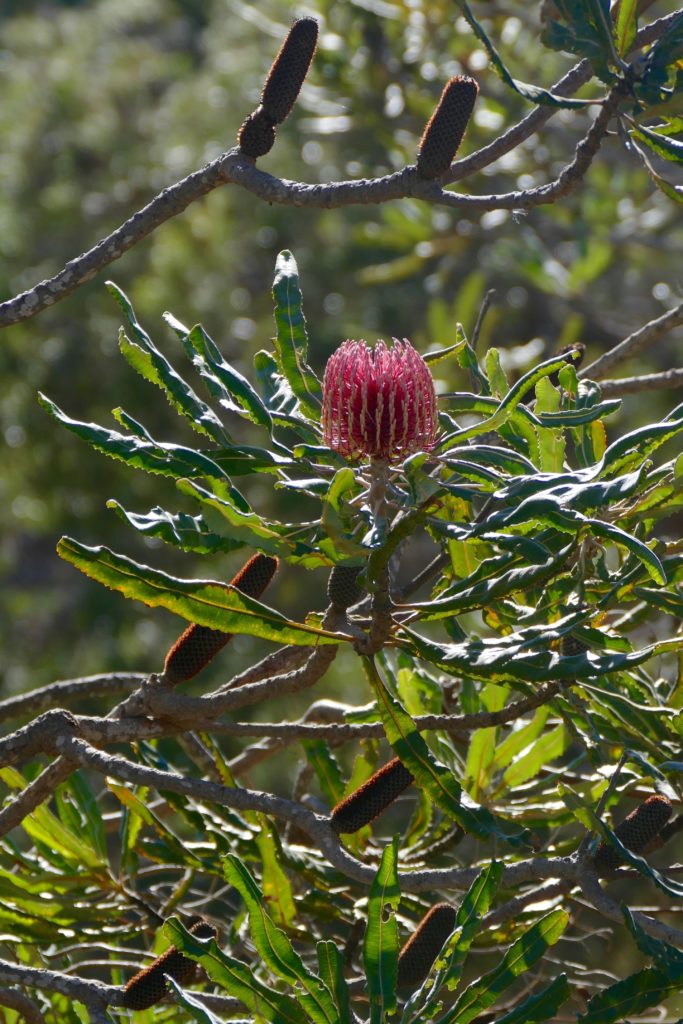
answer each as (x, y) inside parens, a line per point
(289, 69)
(636, 831)
(148, 987)
(445, 129)
(424, 945)
(342, 587)
(198, 645)
(370, 799)
(257, 134)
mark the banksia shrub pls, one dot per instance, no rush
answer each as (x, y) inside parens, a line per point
(342, 587)
(379, 403)
(370, 799)
(198, 645)
(425, 944)
(640, 828)
(257, 134)
(445, 129)
(571, 646)
(148, 987)
(289, 69)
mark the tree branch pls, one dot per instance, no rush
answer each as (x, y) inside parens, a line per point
(16, 1000)
(235, 168)
(666, 380)
(646, 335)
(62, 691)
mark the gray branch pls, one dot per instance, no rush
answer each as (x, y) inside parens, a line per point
(664, 381)
(647, 335)
(234, 168)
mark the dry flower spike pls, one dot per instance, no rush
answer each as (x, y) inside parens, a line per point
(424, 945)
(283, 84)
(148, 987)
(637, 831)
(198, 645)
(371, 799)
(343, 589)
(446, 127)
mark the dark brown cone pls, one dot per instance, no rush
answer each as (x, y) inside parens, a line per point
(370, 799)
(198, 645)
(148, 986)
(257, 134)
(446, 127)
(571, 645)
(342, 587)
(289, 69)
(424, 945)
(640, 828)
(578, 347)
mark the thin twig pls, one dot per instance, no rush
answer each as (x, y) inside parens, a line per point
(16, 1000)
(667, 379)
(64, 690)
(35, 793)
(646, 335)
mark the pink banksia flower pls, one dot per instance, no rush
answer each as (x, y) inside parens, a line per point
(378, 403)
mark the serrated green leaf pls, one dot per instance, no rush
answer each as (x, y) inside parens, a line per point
(662, 145)
(380, 945)
(198, 1012)
(152, 456)
(626, 26)
(291, 342)
(190, 533)
(534, 93)
(547, 748)
(211, 604)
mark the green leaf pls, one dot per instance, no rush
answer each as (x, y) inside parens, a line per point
(664, 955)
(236, 977)
(143, 356)
(642, 552)
(480, 755)
(662, 145)
(429, 774)
(380, 946)
(551, 443)
(544, 751)
(291, 341)
(198, 1012)
(632, 995)
(331, 966)
(542, 1006)
(190, 533)
(276, 950)
(534, 93)
(627, 25)
(327, 770)
(277, 888)
(212, 604)
(225, 382)
(152, 456)
(521, 956)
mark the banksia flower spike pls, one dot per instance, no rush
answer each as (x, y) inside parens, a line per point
(637, 831)
(378, 403)
(285, 78)
(444, 131)
(425, 944)
(148, 987)
(198, 645)
(370, 799)
(342, 586)
(289, 69)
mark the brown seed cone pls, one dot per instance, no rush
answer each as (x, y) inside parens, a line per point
(571, 645)
(444, 131)
(577, 346)
(370, 799)
(424, 945)
(342, 587)
(640, 828)
(149, 987)
(289, 69)
(257, 134)
(198, 645)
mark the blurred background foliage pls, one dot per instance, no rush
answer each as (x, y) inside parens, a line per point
(105, 102)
